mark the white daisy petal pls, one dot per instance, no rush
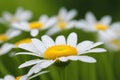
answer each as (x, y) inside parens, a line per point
(36, 68)
(62, 12)
(83, 46)
(13, 33)
(72, 39)
(83, 59)
(90, 18)
(81, 24)
(47, 41)
(47, 63)
(34, 32)
(29, 63)
(71, 14)
(39, 45)
(50, 23)
(29, 47)
(60, 40)
(71, 24)
(53, 30)
(63, 59)
(96, 50)
(22, 26)
(6, 48)
(43, 18)
(96, 44)
(9, 77)
(7, 16)
(39, 66)
(106, 20)
(27, 53)
(24, 77)
(35, 75)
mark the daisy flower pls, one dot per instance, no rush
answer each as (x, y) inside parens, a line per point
(43, 23)
(59, 50)
(64, 21)
(20, 15)
(92, 25)
(5, 48)
(24, 77)
(10, 77)
(11, 33)
(111, 37)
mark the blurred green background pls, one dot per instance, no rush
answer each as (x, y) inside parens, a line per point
(108, 65)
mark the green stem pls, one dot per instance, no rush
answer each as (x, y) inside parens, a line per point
(3, 69)
(62, 73)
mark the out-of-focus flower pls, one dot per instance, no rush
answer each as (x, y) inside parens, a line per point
(24, 77)
(11, 33)
(111, 37)
(58, 50)
(90, 23)
(64, 21)
(10, 77)
(20, 15)
(5, 48)
(43, 23)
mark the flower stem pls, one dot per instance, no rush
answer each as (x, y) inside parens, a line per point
(3, 70)
(62, 73)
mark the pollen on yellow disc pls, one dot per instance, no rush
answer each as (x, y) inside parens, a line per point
(35, 25)
(101, 27)
(3, 37)
(62, 24)
(18, 78)
(57, 51)
(27, 40)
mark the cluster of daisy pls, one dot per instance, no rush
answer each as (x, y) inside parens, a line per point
(61, 49)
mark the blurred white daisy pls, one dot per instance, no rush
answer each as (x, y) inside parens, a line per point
(91, 24)
(58, 50)
(5, 48)
(11, 33)
(24, 77)
(43, 23)
(64, 21)
(20, 15)
(10, 77)
(111, 37)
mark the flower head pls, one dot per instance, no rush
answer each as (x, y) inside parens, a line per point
(91, 24)
(59, 50)
(64, 20)
(20, 15)
(111, 37)
(43, 23)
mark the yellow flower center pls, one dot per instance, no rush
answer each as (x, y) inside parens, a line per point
(101, 27)
(35, 25)
(62, 24)
(18, 78)
(116, 42)
(3, 37)
(57, 51)
(27, 40)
